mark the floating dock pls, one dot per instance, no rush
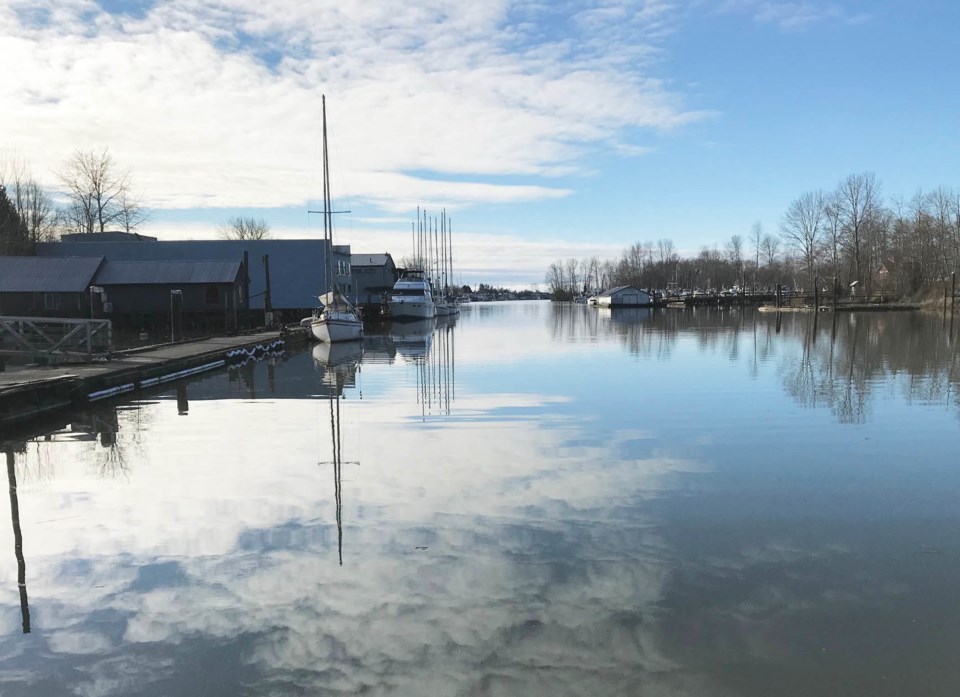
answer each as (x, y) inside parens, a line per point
(32, 392)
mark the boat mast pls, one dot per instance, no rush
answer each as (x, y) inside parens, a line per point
(327, 216)
(443, 253)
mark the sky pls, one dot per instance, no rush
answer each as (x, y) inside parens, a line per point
(546, 130)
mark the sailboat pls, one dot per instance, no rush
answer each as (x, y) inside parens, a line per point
(447, 304)
(337, 320)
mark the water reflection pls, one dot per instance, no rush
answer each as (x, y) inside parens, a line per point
(339, 364)
(837, 361)
(17, 539)
(623, 504)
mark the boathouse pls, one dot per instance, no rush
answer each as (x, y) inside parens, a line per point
(297, 268)
(624, 296)
(207, 290)
(45, 287)
(373, 277)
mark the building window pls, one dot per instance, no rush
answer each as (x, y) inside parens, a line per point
(213, 295)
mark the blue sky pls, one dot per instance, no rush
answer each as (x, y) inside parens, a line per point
(546, 130)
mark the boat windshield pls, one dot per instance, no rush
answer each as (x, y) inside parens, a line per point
(410, 291)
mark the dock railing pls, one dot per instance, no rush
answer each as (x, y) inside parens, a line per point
(56, 338)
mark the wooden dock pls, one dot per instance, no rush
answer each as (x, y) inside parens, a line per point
(34, 391)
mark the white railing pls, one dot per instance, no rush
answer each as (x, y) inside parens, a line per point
(56, 336)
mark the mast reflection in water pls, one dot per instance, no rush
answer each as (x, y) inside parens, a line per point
(339, 364)
(578, 502)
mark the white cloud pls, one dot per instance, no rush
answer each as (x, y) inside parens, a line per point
(219, 105)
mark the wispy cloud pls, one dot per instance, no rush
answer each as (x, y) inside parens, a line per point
(792, 16)
(219, 104)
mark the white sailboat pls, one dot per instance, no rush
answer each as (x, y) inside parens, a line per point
(337, 320)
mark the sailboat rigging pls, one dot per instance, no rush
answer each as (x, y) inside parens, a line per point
(337, 320)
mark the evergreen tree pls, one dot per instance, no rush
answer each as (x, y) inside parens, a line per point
(14, 235)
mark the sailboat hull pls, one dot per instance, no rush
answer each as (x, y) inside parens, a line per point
(331, 330)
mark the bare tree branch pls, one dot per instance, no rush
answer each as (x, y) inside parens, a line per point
(244, 228)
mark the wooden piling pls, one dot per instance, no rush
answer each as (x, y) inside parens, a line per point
(953, 291)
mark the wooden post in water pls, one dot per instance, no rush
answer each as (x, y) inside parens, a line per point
(779, 296)
(953, 291)
(816, 294)
(836, 292)
(246, 289)
(267, 305)
(18, 542)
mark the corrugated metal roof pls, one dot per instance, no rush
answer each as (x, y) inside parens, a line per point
(369, 259)
(47, 274)
(138, 273)
(297, 267)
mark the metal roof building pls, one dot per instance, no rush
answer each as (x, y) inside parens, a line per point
(166, 272)
(297, 267)
(47, 275)
(624, 296)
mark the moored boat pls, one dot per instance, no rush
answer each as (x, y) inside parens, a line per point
(411, 298)
(337, 320)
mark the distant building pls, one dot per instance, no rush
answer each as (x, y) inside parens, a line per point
(373, 276)
(624, 296)
(298, 268)
(107, 236)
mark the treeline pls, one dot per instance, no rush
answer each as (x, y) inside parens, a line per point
(95, 194)
(849, 233)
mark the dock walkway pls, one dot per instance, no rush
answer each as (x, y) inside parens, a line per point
(34, 391)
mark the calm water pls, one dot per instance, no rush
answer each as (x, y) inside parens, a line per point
(535, 500)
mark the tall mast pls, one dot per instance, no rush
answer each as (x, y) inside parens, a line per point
(436, 251)
(327, 216)
(443, 247)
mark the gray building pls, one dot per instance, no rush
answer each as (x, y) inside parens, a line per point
(130, 293)
(44, 287)
(133, 289)
(624, 296)
(373, 276)
(297, 267)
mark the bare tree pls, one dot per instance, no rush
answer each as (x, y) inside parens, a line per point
(132, 212)
(99, 192)
(756, 236)
(735, 254)
(802, 225)
(833, 216)
(244, 228)
(31, 202)
(858, 196)
(771, 248)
